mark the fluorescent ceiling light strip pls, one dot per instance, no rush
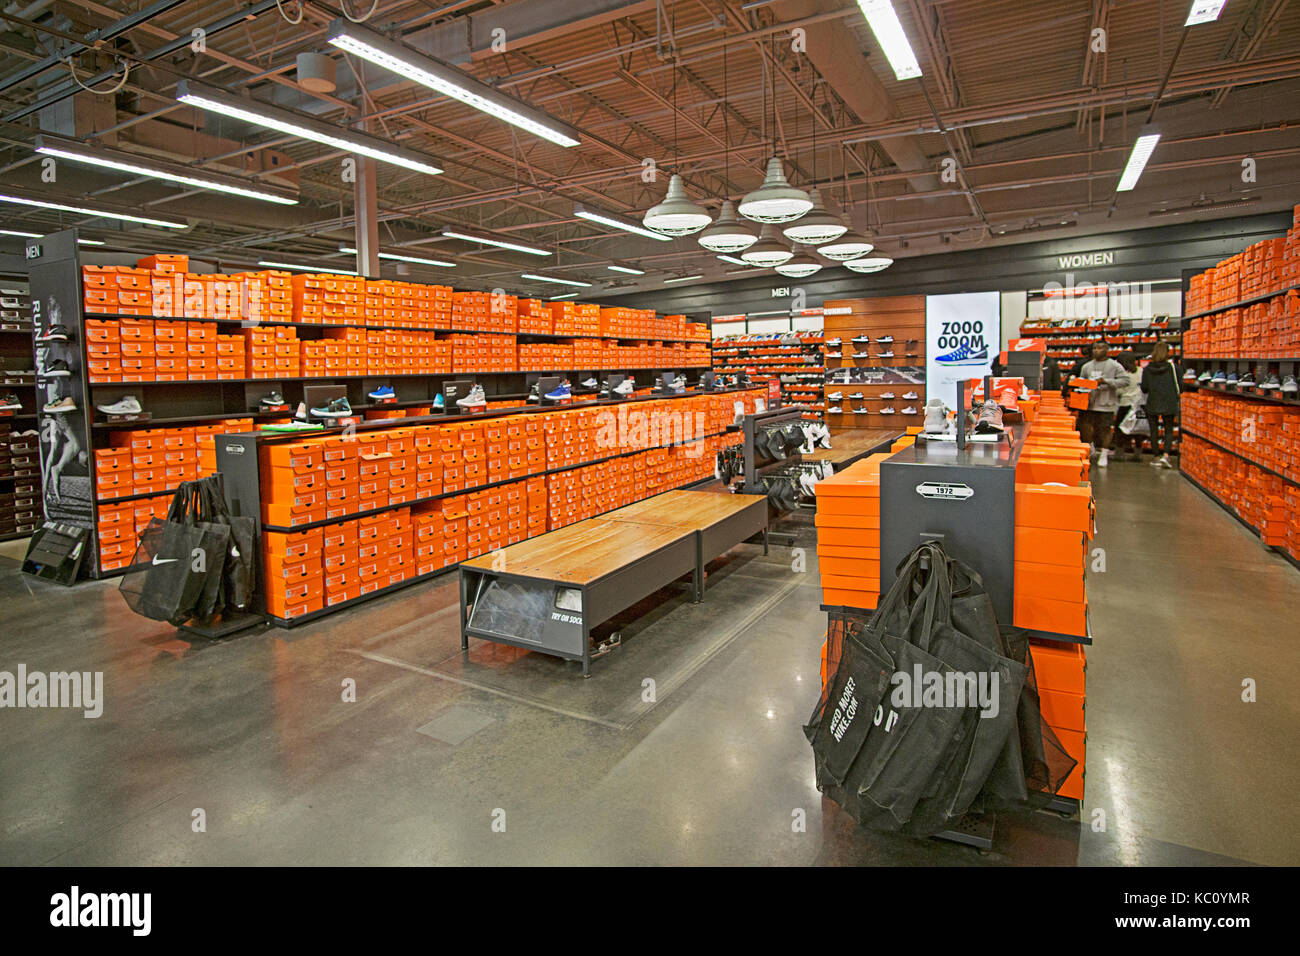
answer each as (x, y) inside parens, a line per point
(1137, 160)
(37, 235)
(630, 271)
(889, 34)
(351, 251)
(564, 295)
(1204, 11)
(683, 278)
(447, 80)
(301, 268)
(618, 222)
(99, 213)
(733, 260)
(125, 163)
(488, 240)
(292, 123)
(557, 281)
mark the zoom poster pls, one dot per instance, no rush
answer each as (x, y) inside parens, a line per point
(963, 334)
(61, 389)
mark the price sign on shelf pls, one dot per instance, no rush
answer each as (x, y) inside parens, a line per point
(774, 391)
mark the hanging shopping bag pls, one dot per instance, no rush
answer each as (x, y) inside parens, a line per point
(172, 560)
(1135, 422)
(238, 572)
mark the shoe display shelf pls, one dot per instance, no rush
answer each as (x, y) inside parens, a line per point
(1068, 340)
(903, 319)
(344, 517)
(21, 508)
(194, 405)
(1246, 457)
(798, 365)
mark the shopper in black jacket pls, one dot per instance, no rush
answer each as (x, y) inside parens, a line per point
(1160, 385)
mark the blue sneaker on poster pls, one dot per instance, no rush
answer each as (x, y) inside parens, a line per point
(965, 356)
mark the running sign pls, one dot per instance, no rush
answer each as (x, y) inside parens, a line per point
(962, 336)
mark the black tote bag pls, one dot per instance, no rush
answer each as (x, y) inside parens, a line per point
(172, 560)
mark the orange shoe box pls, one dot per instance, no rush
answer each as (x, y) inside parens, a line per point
(1059, 666)
(846, 598)
(1045, 506)
(848, 568)
(1067, 549)
(1051, 581)
(851, 522)
(1046, 614)
(1062, 709)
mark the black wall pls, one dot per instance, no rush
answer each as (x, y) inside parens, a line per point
(1165, 252)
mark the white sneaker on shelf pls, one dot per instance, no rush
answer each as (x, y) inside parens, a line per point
(475, 398)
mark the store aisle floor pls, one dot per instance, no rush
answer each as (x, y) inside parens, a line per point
(500, 757)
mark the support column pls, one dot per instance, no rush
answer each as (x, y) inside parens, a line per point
(366, 208)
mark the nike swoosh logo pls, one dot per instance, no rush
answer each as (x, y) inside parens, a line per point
(164, 560)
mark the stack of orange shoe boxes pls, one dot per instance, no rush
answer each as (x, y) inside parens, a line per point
(503, 313)
(427, 525)
(231, 357)
(200, 350)
(119, 526)
(266, 296)
(587, 353)
(269, 349)
(293, 492)
(469, 311)
(848, 535)
(104, 350)
(441, 304)
(345, 351)
(564, 318)
(1053, 523)
(534, 317)
(137, 349)
(1059, 670)
(545, 356)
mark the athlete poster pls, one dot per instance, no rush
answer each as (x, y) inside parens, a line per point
(963, 333)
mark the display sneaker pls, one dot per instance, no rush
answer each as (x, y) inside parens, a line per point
(439, 402)
(59, 406)
(590, 385)
(834, 410)
(10, 403)
(888, 354)
(126, 405)
(294, 426)
(860, 339)
(1233, 380)
(835, 397)
(56, 369)
(55, 333)
(886, 396)
(965, 355)
(1271, 383)
(862, 411)
(535, 393)
(910, 396)
(833, 343)
(1189, 376)
(475, 399)
(335, 408)
(836, 354)
(1290, 386)
(936, 418)
(624, 388)
(909, 410)
(1205, 377)
(857, 396)
(272, 397)
(1219, 378)
(861, 355)
(382, 393)
(1247, 380)
(888, 410)
(989, 419)
(885, 340)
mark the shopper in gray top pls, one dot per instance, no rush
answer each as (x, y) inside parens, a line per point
(1097, 423)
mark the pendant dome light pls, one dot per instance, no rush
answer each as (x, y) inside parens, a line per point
(817, 225)
(769, 250)
(850, 245)
(775, 200)
(729, 233)
(876, 263)
(678, 214)
(800, 265)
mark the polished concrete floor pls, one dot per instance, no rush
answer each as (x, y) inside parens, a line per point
(496, 757)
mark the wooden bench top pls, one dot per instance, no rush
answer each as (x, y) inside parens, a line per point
(853, 442)
(589, 550)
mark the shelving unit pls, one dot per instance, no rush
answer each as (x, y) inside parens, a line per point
(21, 508)
(899, 317)
(794, 358)
(1067, 338)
